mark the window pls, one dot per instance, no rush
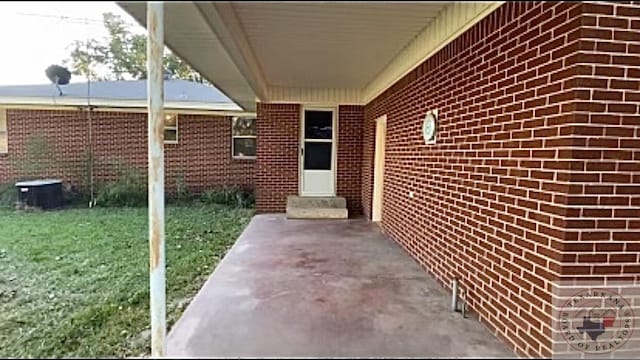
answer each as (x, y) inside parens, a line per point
(171, 129)
(243, 132)
(4, 143)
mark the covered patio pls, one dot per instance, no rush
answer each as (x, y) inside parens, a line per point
(324, 289)
(470, 131)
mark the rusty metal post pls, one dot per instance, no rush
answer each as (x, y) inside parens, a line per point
(155, 93)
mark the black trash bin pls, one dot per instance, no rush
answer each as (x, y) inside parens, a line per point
(44, 194)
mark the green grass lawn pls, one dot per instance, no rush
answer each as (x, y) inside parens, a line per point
(75, 282)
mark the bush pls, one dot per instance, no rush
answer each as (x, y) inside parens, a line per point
(8, 195)
(231, 196)
(129, 190)
(122, 194)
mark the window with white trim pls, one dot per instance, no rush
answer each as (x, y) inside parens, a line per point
(171, 128)
(243, 137)
(4, 135)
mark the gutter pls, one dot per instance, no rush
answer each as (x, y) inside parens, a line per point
(116, 103)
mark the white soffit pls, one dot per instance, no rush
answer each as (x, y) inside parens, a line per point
(454, 20)
(310, 52)
(330, 44)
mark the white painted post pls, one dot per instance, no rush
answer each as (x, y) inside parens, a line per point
(155, 93)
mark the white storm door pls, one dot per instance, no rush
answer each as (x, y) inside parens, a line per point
(317, 153)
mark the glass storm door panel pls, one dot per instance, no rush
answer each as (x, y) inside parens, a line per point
(318, 128)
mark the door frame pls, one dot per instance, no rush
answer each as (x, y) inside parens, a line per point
(334, 146)
(377, 198)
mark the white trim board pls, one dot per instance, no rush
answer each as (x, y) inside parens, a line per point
(377, 197)
(73, 101)
(95, 108)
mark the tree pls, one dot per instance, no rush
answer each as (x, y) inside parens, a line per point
(122, 55)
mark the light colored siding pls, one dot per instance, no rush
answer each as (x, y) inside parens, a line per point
(450, 23)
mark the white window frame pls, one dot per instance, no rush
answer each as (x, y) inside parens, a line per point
(172, 128)
(233, 137)
(4, 148)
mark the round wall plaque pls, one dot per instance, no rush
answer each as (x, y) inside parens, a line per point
(429, 127)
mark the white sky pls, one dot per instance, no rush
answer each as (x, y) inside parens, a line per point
(34, 35)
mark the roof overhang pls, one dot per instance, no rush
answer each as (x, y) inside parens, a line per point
(195, 33)
(318, 52)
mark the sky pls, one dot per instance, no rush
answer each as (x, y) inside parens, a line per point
(35, 35)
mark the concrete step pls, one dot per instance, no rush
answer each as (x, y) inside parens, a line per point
(301, 207)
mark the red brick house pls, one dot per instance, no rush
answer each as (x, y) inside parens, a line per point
(203, 148)
(496, 142)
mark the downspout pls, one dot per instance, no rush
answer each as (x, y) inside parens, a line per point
(92, 199)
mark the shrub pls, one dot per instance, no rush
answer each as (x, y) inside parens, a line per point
(122, 194)
(129, 190)
(229, 195)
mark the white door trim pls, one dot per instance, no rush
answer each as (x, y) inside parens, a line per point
(378, 169)
(334, 148)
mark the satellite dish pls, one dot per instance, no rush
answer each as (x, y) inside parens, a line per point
(58, 76)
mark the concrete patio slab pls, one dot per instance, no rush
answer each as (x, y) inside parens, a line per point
(324, 288)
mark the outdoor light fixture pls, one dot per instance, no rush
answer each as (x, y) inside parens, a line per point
(429, 127)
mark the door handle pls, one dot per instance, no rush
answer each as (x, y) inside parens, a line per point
(301, 151)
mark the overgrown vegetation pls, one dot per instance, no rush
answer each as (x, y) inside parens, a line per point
(129, 188)
(231, 196)
(74, 283)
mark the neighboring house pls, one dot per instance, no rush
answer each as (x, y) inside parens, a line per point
(209, 141)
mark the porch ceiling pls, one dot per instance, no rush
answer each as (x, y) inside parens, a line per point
(272, 51)
(330, 45)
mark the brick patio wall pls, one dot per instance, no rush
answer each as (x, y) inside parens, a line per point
(278, 130)
(350, 124)
(57, 143)
(535, 175)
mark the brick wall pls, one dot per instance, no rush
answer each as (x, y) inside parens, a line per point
(278, 130)
(202, 156)
(536, 160)
(350, 123)
(603, 204)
